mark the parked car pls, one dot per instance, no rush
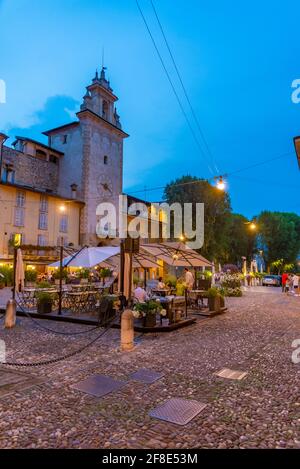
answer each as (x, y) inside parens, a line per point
(272, 280)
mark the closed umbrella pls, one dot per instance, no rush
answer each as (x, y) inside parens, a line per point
(20, 275)
(213, 270)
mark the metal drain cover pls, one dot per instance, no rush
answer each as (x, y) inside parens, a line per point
(178, 411)
(231, 374)
(146, 376)
(99, 385)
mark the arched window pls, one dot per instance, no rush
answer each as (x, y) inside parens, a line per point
(105, 159)
(105, 109)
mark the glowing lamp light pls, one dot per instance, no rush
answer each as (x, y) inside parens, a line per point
(182, 238)
(252, 226)
(62, 208)
(220, 184)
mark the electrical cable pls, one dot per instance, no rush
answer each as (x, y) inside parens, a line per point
(184, 88)
(172, 86)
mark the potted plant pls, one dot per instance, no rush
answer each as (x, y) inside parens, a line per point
(231, 284)
(171, 281)
(180, 289)
(215, 299)
(56, 276)
(104, 274)
(44, 302)
(147, 311)
(135, 280)
(84, 274)
(30, 277)
(7, 275)
(2, 284)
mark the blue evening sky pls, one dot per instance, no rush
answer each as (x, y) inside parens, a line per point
(238, 60)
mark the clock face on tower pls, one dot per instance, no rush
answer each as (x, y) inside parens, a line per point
(104, 186)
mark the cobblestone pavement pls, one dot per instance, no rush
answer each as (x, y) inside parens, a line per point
(262, 410)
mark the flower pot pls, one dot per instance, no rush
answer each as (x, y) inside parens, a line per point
(214, 303)
(178, 314)
(44, 308)
(150, 320)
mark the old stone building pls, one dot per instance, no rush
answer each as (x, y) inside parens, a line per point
(64, 181)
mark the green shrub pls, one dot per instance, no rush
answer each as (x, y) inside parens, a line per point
(213, 292)
(44, 297)
(231, 281)
(83, 273)
(30, 275)
(105, 272)
(7, 273)
(171, 281)
(56, 274)
(234, 292)
(180, 289)
(44, 284)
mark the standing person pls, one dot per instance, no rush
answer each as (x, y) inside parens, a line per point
(288, 284)
(189, 279)
(296, 283)
(291, 283)
(140, 294)
(284, 278)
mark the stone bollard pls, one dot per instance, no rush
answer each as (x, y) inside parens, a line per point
(127, 331)
(10, 314)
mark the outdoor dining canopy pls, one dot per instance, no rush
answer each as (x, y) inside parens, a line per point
(176, 254)
(173, 254)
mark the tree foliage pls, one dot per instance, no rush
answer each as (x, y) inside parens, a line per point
(217, 211)
(279, 236)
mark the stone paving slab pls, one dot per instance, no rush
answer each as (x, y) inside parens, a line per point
(261, 411)
(231, 374)
(13, 381)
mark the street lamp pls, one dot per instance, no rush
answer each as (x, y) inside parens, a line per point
(220, 184)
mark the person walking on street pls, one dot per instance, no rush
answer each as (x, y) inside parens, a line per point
(284, 278)
(296, 284)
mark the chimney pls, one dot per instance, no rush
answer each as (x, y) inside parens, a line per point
(74, 191)
(3, 138)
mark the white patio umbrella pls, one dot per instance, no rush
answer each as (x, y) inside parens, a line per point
(88, 257)
(20, 275)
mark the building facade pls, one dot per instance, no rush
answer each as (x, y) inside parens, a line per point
(49, 193)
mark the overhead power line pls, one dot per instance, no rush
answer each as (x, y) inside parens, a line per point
(216, 177)
(173, 87)
(184, 88)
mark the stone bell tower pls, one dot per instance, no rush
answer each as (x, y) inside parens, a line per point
(93, 153)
